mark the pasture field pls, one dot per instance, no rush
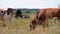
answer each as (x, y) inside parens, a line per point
(21, 26)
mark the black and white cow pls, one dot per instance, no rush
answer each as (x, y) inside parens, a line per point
(6, 15)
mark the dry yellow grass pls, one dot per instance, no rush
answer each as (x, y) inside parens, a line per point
(21, 26)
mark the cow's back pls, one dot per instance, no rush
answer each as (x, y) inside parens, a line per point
(40, 13)
(50, 12)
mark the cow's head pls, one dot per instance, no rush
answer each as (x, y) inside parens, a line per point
(9, 10)
(33, 24)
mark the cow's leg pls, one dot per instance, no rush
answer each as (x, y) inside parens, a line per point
(58, 18)
(17, 17)
(2, 23)
(9, 22)
(45, 23)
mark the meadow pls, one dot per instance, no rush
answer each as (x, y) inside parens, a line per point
(21, 26)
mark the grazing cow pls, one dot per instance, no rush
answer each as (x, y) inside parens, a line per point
(39, 17)
(43, 15)
(18, 13)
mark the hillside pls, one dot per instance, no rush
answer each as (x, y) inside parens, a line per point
(26, 11)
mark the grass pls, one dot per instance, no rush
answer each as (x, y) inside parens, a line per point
(21, 26)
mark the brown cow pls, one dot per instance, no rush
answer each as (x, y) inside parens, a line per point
(45, 14)
(39, 16)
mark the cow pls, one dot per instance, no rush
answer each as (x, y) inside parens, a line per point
(7, 15)
(25, 16)
(18, 13)
(35, 21)
(1, 17)
(43, 15)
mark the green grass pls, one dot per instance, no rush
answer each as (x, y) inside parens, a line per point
(21, 26)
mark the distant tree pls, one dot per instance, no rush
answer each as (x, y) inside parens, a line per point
(28, 12)
(59, 6)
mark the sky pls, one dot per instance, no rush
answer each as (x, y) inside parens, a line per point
(29, 4)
